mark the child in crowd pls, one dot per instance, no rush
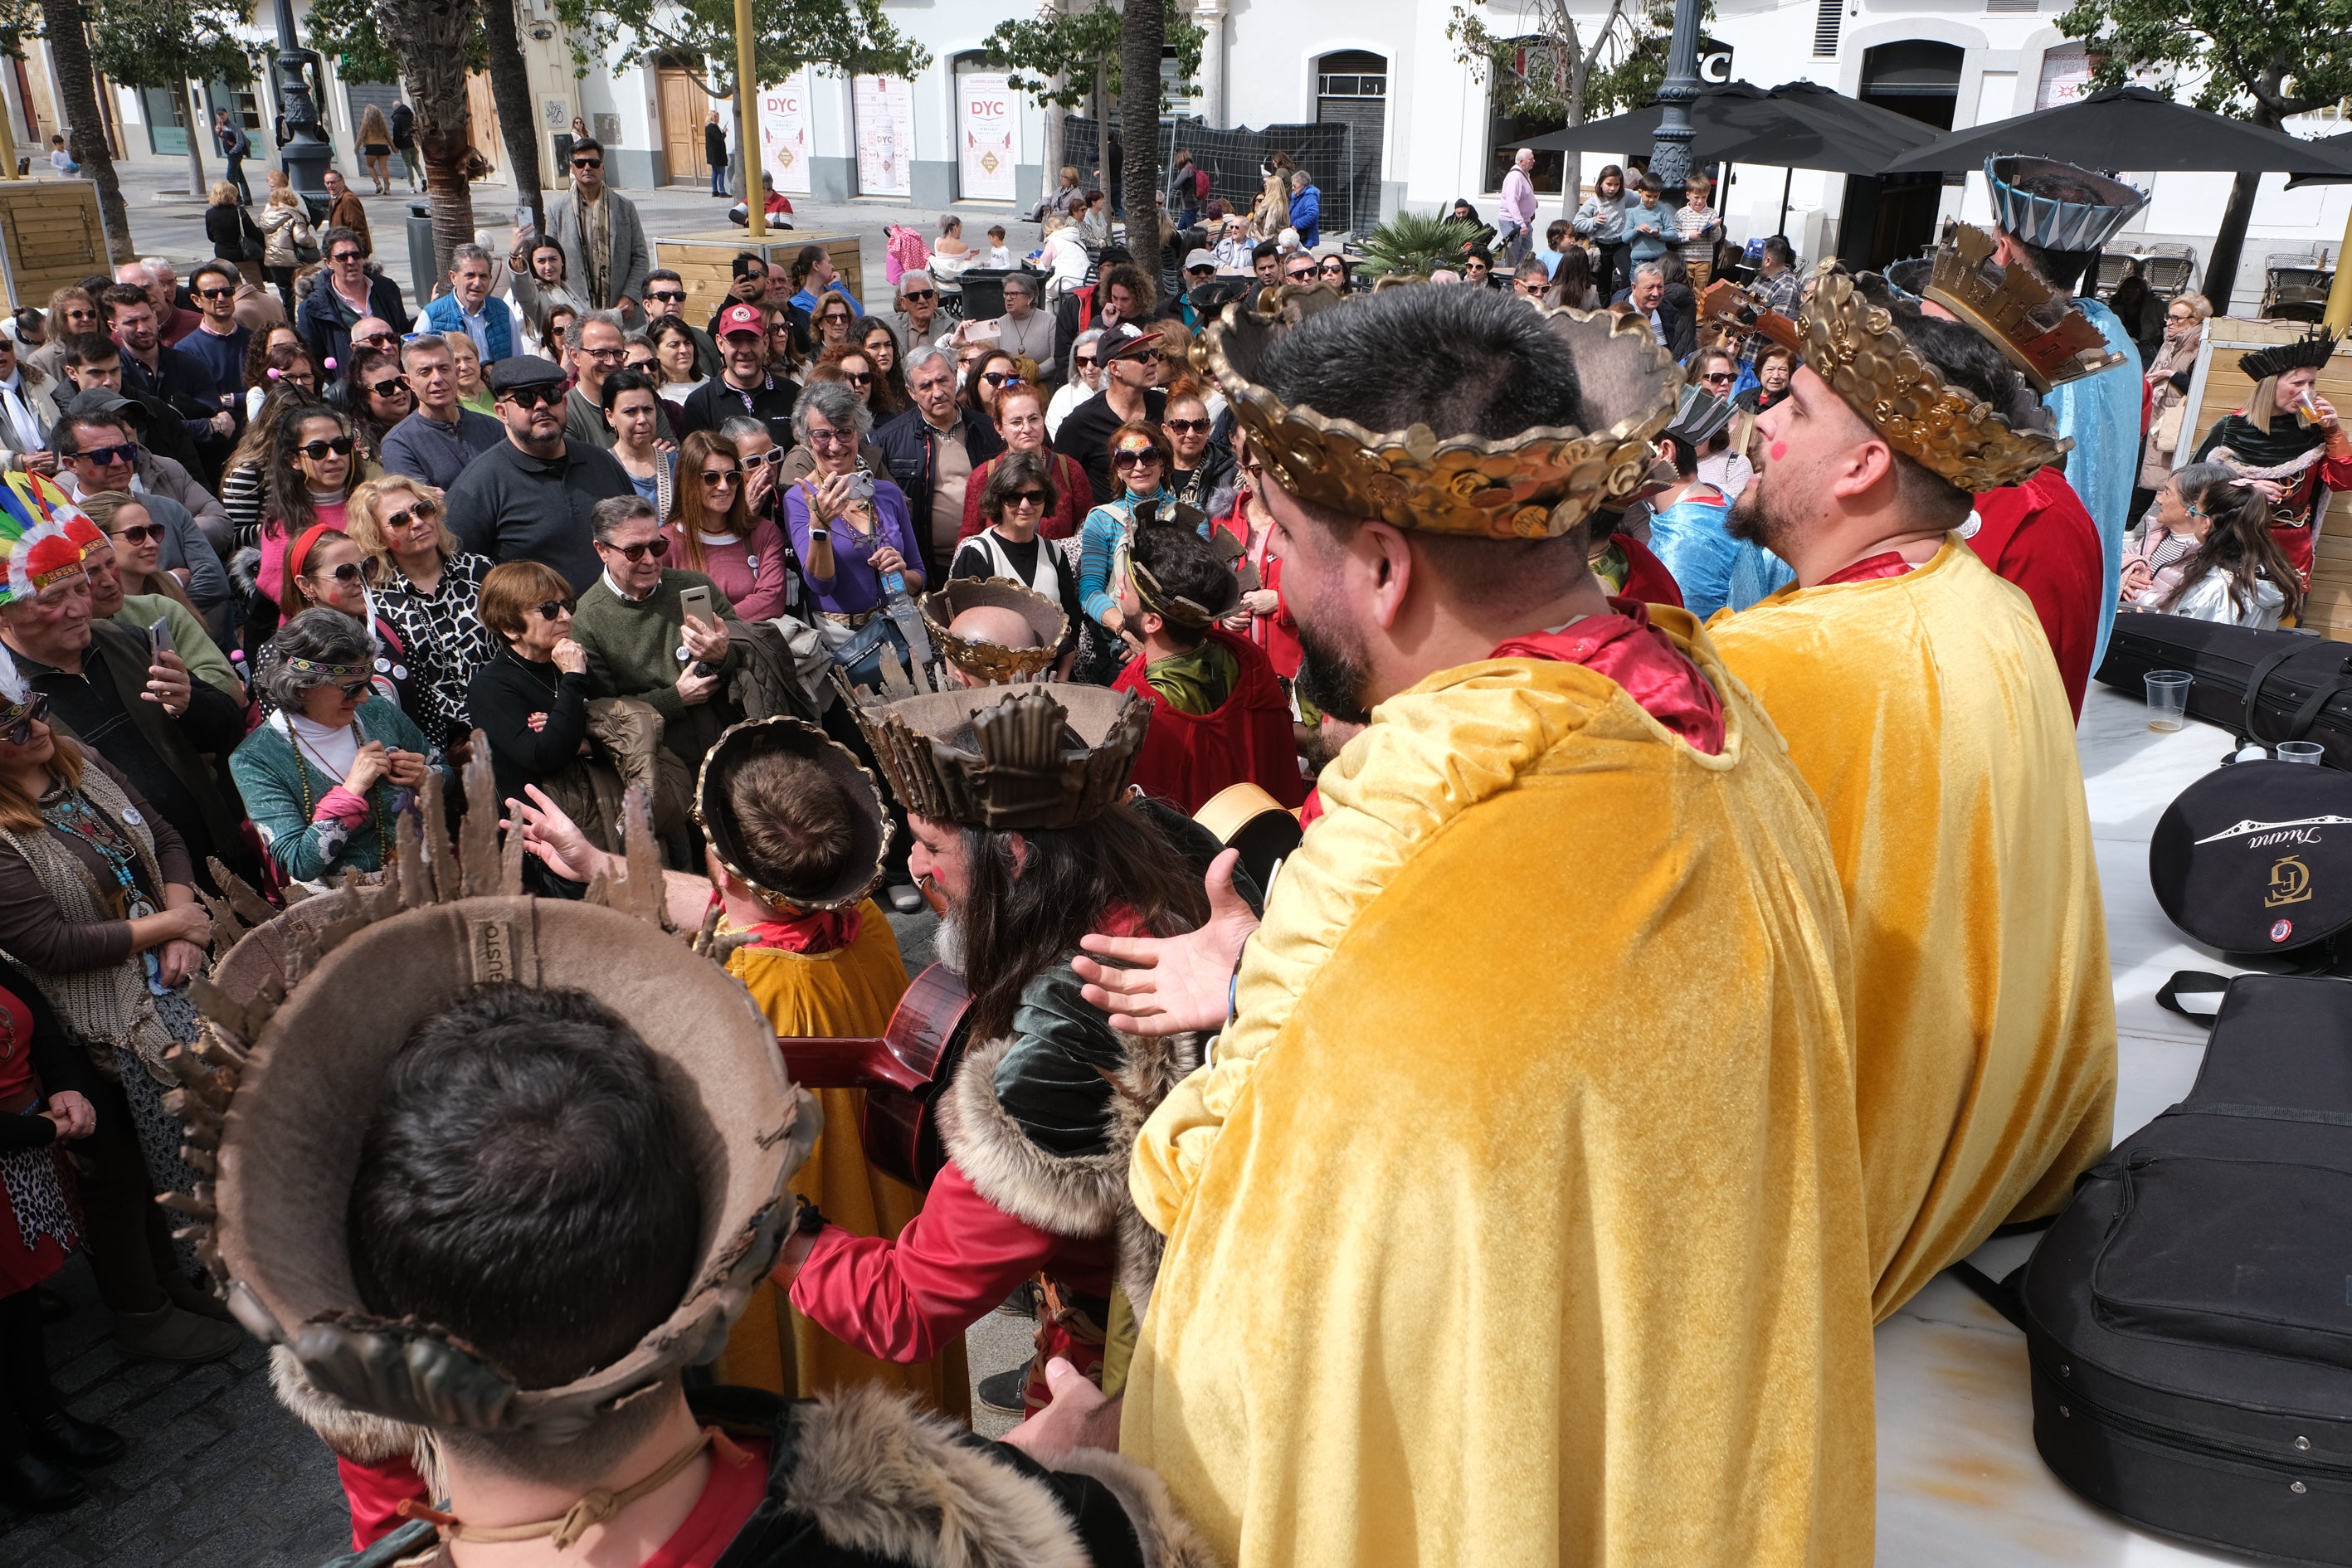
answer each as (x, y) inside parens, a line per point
(999, 253)
(1648, 222)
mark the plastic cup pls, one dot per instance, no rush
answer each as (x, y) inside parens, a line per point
(2310, 751)
(2167, 698)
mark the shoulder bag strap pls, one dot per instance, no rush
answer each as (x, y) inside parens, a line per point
(2000, 1295)
(2254, 679)
(2193, 983)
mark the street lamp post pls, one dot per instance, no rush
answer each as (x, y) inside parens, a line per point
(302, 146)
(1669, 151)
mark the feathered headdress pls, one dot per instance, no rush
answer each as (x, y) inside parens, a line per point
(33, 517)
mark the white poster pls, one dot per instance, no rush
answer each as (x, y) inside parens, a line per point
(883, 106)
(785, 134)
(2066, 75)
(986, 129)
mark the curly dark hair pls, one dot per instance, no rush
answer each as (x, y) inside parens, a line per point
(2239, 543)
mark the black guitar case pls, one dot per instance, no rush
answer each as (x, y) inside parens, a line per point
(2260, 685)
(2189, 1317)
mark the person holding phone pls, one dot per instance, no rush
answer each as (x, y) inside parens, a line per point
(854, 533)
(660, 634)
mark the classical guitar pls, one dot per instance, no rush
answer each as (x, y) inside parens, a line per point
(903, 1073)
(1245, 817)
(1727, 304)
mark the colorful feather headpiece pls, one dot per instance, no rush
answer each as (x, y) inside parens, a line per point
(34, 513)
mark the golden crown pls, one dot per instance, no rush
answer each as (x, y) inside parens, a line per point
(989, 662)
(1041, 754)
(2003, 312)
(1855, 346)
(1538, 484)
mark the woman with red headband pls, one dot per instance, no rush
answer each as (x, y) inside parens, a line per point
(327, 570)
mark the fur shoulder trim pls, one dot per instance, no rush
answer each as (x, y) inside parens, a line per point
(1166, 1538)
(882, 1478)
(353, 1435)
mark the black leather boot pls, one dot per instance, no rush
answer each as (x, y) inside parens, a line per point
(64, 1439)
(33, 1483)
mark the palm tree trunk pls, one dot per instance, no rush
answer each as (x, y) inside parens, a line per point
(429, 38)
(76, 88)
(511, 90)
(1142, 30)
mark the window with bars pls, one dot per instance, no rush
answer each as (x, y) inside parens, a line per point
(1998, 6)
(1826, 22)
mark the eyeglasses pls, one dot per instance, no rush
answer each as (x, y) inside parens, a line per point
(352, 690)
(1000, 378)
(612, 354)
(215, 293)
(389, 385)
(421, 512)
(20, 729)
(317, 450)
(140, 532)
(348, 256)
(832, 438)
(1300, 275)
(1143, 459)
(656, 547)
(1025, 500)
(587, 162)
(762, 459)
(528, 397)
(1719, 378)
(547, 610)
(1085, 362)
(716, 476)
(916, 294)
(106, 456)
(666, 295)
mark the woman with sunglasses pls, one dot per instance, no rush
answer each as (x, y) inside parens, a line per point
(1202, 466)
(633, 411)
(992, 371)
(327, 571)
(530, 696)
(98, 906)
(133, 588)
(312, 466)
(677, 375)
(245, 475)
(258, 380)
(1014, 500)
(326, 776)
(551, 340)
(1140, 459)
(712, 529)
(427, 588)
(71, 314)
(374, 394)
(465, 363)
(1082, 381)
(1331, 266)
(853, 533)
(1021, 421)
(879, 338)
(834, 320)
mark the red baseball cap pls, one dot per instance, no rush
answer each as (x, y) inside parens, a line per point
(742, 319)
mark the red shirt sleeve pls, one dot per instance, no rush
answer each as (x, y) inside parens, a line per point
(972, 521)
(901, 1301)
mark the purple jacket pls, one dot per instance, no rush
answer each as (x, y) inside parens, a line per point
(856, 586)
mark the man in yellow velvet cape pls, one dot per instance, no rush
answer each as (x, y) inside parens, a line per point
(1919, 699)
(1516, 1217)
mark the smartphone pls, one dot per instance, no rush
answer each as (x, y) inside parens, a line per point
(159, 639)
(695, 602)
(982, 332)
(861, 486)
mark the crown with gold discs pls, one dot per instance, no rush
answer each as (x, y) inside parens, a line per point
(1853, 343)
(2003, 312)
(1537, 484)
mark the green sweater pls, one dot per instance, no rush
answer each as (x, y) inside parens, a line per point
(189, 639)
(631, 651)
(282, 792)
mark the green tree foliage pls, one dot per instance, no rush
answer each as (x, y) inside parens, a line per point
(850, 37)
(20, 22)
(1415, 245)
(1057, 58)
(1548, 64)
(161, 44)
(351, 33)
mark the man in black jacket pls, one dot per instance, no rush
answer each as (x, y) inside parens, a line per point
(346, 293)
(714, 152)
(1127, 396)
(746, 385)
(933, 449)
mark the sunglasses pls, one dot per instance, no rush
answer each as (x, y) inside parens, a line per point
(1146, 458)
(215, 293)
(859, 377)
(317, 450)
(375, 341)
(763, 460)
(999, 378)
(1189, 426)
(389, 385)
(106, 456)
(418, 513)
(140, 532)
(587, 162)
(20, 729)
(1300, 273)
(74, 315)
(919, 294)
(547, 610)
(1025, 499)
(720, 475)
(348, 571)
(348, 256)
(666, 297)
(534, 396)
(657, 547)
(1086, 361)
(1718, 378)
(352, 690)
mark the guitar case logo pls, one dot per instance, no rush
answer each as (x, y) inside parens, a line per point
(2290, 883)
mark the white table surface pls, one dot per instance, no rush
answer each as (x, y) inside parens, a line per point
(1959, 1481)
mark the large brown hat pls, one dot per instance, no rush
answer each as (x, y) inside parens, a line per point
(1046, 755)
(279, 1090)
(714, 811)
(993, 663)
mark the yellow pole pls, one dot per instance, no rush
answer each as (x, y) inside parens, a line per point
(2339, 293)
(747, 117)
(8, 141)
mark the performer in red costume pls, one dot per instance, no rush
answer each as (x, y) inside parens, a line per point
(1218, 715)
(2040, 536)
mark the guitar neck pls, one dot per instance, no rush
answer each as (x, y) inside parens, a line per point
(848, 1062)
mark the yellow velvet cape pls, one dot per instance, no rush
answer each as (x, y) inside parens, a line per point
(1928, 714)
(850, 991)
(1517, 1217)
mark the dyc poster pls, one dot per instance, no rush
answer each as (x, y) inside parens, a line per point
(784, 133)
(986, 137)
(883, 106)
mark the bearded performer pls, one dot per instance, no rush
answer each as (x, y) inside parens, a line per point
(1016, 795)
(2052, 219)
(1917, 695)
(503, 1206)
(1218, 715)
(2288, 441)
(1483, 1249)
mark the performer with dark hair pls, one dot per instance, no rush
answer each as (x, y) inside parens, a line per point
(2288, 441)
(1919, 698)
(1481, 1248)
(504, 1204)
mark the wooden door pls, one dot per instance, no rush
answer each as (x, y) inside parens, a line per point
(482, 123)
(684, 109)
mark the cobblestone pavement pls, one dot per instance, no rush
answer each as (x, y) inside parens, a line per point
(217, 1476)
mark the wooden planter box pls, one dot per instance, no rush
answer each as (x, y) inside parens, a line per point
(49, 236)
(706, 260)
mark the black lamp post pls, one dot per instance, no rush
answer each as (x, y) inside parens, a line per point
(1670, 149)
(302, 146)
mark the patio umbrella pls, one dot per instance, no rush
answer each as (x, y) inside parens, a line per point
(2127, 128)
(2341, 146)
